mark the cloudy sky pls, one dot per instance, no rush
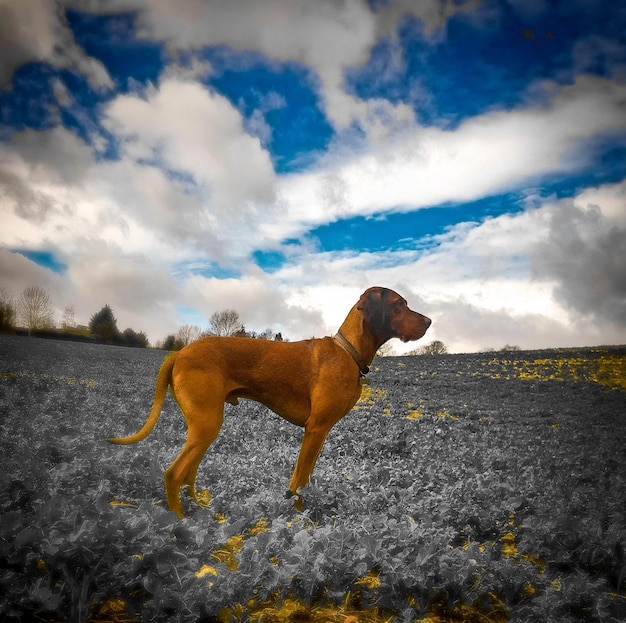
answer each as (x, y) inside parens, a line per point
(173, 158)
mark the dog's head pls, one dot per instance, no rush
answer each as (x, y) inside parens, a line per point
(386, 315)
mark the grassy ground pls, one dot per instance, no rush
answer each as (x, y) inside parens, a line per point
(469, 488)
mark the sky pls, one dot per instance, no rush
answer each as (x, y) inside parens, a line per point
(174, 158)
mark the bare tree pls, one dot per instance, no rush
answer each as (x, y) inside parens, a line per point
(188, 333)
(34, 309)
(68, 321)
(436, 347)
(386, 350)
(7, 311)
(225, 322)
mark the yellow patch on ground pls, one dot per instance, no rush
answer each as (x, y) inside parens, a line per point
(371, 580)
(277, 609)
(205, 570)
(415, 414)
(260, 526)
(112, 610)
(611, 371)
(369, 396)
(510, 545)
(446, 414)
(288, 610)
(203, 498)
(510, 539)
(540, 563)
(116, 606)
(117, 502)
(490, 607)
(227, 553)
(608, 369)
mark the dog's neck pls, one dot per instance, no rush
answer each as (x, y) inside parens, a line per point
(345, 343)
(359, 336)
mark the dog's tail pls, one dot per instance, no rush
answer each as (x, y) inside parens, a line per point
(163, 381)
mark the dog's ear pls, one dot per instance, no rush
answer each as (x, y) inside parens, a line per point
(373, 306)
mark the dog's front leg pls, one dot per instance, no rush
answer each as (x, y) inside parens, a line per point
(312, 442)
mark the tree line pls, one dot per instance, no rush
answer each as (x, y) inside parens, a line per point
(223, 323)
(33, 313)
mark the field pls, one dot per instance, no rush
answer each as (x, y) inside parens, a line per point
(468, 488)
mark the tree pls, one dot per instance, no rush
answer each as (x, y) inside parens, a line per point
(68, 321)
(434, 348)
(138, 340)
(226, 322)
(103, 324)
(7, 311)
(386, 350)
(34, 309)
(268, 334)
(171, 342)
(507, 348)
(188, 333)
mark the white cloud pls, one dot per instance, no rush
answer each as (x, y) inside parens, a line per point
(53, 193)
(197, 133)
(27, 30)
(584, 255)
(17, 272)
(139, 288)
(36, 30)
(325, 35)
(486, 155)
(279, 29)
(190, 179)
(610, 199)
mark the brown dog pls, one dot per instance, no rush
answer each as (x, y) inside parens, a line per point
(312, 383)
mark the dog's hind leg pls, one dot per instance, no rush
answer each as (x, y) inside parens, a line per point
(204, 414)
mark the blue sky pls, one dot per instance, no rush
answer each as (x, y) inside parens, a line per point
(173, 159)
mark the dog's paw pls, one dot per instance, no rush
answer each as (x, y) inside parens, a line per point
(298, 502)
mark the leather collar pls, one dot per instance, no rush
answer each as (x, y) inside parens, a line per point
(353, 352)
